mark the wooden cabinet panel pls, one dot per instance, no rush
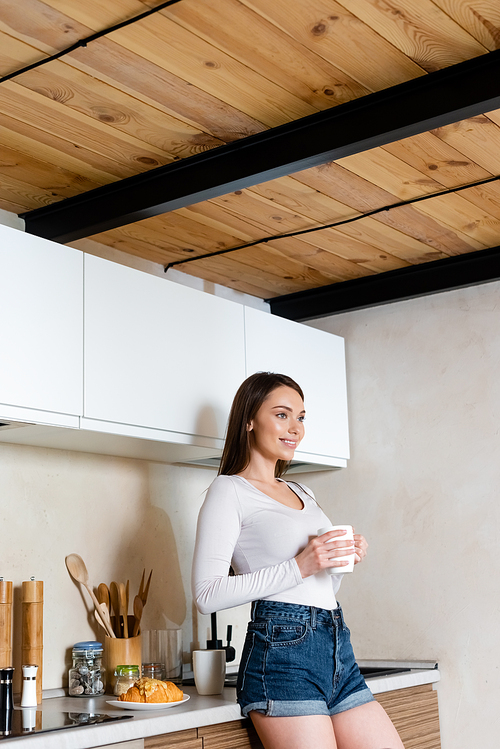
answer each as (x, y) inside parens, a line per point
(238, 734)
(179, 739)
(414, 712)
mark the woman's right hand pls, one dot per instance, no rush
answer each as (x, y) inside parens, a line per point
(319, 554)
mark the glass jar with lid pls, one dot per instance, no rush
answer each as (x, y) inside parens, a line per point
(126, 676)
(87, 676)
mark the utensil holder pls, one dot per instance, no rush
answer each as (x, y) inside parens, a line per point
(121, 651)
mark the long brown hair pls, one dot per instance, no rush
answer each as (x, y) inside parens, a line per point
(249, 398)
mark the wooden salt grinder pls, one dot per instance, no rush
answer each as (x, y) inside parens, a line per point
(32, 629)
(5, 623)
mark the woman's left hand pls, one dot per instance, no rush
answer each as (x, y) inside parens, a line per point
(360, 548)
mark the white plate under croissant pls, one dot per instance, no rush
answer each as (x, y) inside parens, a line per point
(146, 705)
(146, 693)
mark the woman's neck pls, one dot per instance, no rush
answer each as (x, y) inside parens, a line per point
(261, 469)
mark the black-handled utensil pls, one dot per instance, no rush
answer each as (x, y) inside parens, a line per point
(230, 651)
(214, 643)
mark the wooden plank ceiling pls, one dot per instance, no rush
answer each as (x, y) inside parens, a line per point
(200, 74)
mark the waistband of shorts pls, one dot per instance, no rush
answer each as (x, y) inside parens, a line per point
(263, 609)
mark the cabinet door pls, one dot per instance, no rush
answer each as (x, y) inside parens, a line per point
(41, 324)
(158, 354)
(316, 361)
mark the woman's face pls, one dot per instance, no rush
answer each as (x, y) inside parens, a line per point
(278, 426)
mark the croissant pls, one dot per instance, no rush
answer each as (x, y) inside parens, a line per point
(131, 695)
(152, 690)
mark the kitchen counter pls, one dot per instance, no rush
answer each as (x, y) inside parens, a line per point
(197, 711)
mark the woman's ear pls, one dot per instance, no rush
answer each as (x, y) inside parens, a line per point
(250, 426)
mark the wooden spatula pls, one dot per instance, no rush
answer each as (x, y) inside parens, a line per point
(144, 596)
(137, 615)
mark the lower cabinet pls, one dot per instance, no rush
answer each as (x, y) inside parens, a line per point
(238, 734)
(414, 712)
(188, 739)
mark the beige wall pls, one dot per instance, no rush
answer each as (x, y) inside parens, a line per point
(423, 486)
(11, 219)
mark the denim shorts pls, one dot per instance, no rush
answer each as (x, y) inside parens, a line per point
(298, 660)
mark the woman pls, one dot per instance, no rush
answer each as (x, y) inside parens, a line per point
(298, 680)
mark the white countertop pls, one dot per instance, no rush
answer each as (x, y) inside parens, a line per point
(197, 711)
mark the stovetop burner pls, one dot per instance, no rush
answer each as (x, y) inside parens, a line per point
(28, 721)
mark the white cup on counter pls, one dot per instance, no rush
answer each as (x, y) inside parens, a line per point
(209, 667)
(348, 536)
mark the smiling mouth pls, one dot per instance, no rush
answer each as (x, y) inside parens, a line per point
(289, 443)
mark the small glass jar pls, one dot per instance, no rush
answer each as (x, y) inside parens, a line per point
(153, 671)
(87, 676)
(126, 676)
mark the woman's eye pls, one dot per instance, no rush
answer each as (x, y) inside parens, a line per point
(302, 418)
(282, 415)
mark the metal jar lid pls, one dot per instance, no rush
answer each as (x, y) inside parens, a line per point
(90, 647)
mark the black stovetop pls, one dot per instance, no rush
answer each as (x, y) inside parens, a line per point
(29, 721)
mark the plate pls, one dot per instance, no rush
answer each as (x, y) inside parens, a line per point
(146, 705)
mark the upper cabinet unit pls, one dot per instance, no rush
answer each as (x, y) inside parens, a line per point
(316, 361)
(159, 355)
(41, 330)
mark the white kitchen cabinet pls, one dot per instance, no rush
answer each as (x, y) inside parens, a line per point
(41, 330)
(316, 361)
(158, 355)
(142, 367)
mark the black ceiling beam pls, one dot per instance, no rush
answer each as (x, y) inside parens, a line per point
(455, 272)
(433, 100)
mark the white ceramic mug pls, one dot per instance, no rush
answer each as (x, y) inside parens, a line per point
(348, 536)
(209, 668)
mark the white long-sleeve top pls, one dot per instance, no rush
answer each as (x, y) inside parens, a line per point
(259, 537)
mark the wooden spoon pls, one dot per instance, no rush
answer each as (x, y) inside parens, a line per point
(137, 615)
(144, 596)
(105, 613)
(78, 571)
(123, 607)
(100, 621)
(114, 596)
(103, 598)
(103, 616)
(103, 594)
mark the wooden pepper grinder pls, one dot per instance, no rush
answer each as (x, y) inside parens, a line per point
(32, 629)
(5, 623)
